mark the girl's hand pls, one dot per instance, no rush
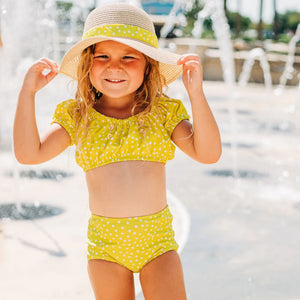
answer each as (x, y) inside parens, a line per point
(39, 75)
(192, 73)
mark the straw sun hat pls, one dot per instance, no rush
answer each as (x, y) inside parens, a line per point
(128, 25)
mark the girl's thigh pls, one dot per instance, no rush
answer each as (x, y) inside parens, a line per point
(162, 278)
(110, 280)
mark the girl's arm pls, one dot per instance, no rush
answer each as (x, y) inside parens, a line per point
(28, 147)
(201, 141)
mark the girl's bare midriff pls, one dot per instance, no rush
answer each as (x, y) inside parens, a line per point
(127, 189)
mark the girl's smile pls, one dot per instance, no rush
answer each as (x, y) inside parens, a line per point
(117, 71)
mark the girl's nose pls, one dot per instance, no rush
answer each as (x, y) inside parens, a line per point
(114, 64)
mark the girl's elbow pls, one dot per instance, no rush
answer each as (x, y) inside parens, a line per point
(24, 159)
(19, 157)
(214, 159)
(210, 158)
(208, 161)
(216, 156)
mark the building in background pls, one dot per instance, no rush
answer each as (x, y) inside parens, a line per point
(159, 7)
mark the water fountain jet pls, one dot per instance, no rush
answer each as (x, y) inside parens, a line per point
(17, 54)
(289, 69)
(248, 64)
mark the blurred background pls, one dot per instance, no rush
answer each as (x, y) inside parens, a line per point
(237, 221)
(267, 24)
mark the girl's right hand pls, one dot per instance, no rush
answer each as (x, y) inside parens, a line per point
(39, 75)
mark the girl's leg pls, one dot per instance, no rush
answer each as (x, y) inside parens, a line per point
(110, 280)
(162, 278)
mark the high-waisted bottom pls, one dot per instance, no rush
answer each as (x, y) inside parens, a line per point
(131, 242)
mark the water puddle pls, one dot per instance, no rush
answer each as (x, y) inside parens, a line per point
(28, 211)
(56, 175)
(248, 174)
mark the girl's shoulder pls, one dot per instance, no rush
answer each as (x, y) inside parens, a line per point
(67, 108)
(68, 105)
(167, 102)
(171, 112)
(64, 115)
(169, 107)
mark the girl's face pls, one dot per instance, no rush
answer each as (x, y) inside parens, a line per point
(117, 71)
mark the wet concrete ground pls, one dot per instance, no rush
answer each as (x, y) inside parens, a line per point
(244, 237)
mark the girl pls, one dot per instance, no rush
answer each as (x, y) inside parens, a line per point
(123, 127)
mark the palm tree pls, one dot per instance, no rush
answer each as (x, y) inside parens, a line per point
(276, 21)
(260, 23)
(225, 7)
(238, 19)
(1, 44)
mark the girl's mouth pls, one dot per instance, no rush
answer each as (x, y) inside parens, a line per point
(115, 80)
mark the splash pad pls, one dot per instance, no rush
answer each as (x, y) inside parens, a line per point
(242, 221)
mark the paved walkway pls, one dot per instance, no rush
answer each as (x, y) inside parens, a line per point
(244, 237)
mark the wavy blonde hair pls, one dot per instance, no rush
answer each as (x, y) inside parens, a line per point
(147, 95)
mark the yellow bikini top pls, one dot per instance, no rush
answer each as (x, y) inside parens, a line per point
(111, 140)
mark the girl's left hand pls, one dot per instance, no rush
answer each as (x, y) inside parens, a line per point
(192, 73)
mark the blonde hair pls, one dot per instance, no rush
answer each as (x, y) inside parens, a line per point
(147, 95)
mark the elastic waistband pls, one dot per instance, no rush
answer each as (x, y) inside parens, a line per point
(154, 216)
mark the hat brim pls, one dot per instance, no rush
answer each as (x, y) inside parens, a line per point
(167, 60)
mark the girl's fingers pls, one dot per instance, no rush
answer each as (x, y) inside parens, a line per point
(40, 74)
(192, 72)
(48, 66)
(190, 62)
(188, 57)
(49, 62)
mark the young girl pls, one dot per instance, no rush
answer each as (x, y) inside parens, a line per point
(124, 128)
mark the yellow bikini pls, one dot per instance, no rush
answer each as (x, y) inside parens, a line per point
(130, 242)
(113, 140)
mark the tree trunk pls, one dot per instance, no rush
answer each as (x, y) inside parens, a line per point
(260, 23)
(275, 21)
(238, 19)
(1, 44)
(225, 9)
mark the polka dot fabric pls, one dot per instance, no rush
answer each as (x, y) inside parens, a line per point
(121, 30)
(64, 115)
(131, 242)
(113, 140)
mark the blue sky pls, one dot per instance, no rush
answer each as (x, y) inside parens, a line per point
(250, 8)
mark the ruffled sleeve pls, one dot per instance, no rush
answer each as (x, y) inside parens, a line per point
(64, 116)
(173, 112)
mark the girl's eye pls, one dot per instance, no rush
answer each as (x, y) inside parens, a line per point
(127, 57)
(102, 57)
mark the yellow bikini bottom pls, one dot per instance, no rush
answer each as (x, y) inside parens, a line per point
(131, 242)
